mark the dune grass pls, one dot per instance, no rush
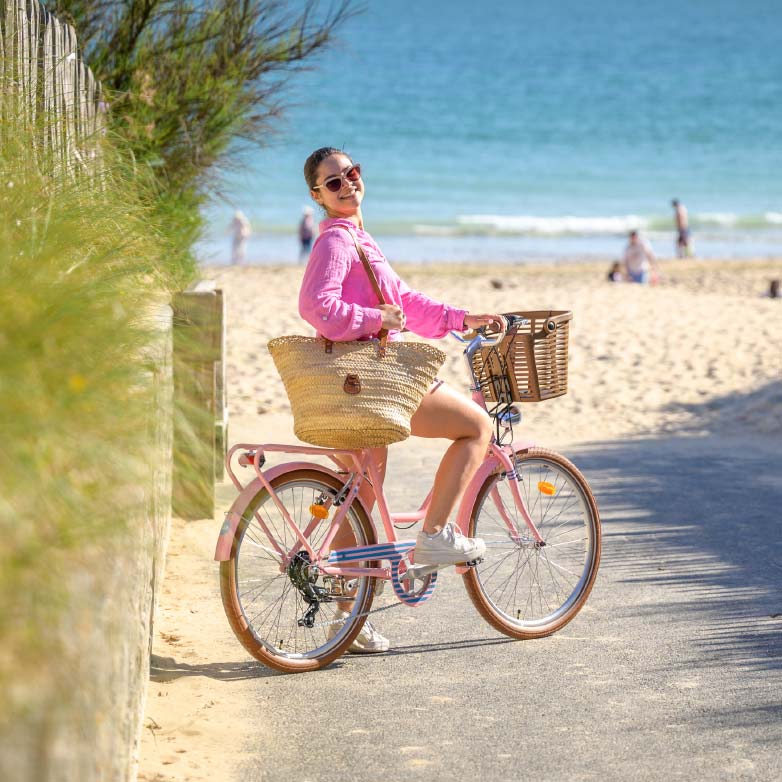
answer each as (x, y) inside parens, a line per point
(84, 270)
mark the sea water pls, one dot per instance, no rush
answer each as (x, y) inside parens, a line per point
(517, 131)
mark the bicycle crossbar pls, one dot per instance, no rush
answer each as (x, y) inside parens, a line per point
(395, 550)
(501, 457)
(360, 572)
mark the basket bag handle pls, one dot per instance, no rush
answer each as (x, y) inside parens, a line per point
(383, 333)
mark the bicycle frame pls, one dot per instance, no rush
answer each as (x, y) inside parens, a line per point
(499, 458)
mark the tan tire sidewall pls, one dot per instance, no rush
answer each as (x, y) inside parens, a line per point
(485, 609)
(228, 585)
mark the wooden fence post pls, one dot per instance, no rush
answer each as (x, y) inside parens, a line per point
(201, 417)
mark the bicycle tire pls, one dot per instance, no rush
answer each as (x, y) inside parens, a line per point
(538, 589)
(281, 643)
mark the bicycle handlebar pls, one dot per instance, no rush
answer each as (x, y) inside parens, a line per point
(483, 339)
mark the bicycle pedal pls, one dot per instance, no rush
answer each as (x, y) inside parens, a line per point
(418, 572)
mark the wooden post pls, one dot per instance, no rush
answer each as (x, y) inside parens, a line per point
(201, 417)
(221, 397)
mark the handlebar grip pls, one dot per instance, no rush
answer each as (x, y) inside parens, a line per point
(491, 338)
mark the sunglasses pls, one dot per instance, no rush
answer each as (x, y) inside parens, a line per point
(334, 183)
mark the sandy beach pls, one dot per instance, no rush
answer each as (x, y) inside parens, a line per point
(700, 350)
(699, 353)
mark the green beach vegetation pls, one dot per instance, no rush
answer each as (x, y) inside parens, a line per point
(82, 276)
(191, 83)
(88, 263)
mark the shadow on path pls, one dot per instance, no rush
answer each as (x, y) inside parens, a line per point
(447, 646)
(695, 521)
(760, 408)
(167, 669)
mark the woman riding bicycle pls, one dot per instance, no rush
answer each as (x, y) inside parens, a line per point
(337, 300)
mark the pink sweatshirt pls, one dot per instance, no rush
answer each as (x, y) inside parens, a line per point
(336, 295)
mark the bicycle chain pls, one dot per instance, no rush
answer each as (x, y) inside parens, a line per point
(398, 604)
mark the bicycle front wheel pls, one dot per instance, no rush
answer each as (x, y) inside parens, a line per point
(524, 589)
(264, 601)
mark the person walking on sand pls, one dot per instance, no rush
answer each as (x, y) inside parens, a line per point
(306, 233)
(240, 231)
(683, 246)
(639, 260)
(337, 299)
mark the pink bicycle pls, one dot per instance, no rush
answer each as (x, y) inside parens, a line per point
(281, 582)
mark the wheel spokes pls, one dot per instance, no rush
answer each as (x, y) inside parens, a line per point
(270, 601)
(532, 584)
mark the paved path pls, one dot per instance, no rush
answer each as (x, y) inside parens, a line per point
(673, 670)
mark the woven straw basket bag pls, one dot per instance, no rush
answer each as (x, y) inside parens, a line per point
(357, 394)
(353, 397)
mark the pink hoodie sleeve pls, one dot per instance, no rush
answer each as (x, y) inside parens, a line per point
(427, 317)
(320, 298)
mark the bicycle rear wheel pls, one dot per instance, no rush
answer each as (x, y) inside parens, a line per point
(523, 589)
(264, 603)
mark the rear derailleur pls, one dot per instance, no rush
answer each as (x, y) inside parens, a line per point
(304, 576)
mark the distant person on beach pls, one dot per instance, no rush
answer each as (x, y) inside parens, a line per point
(240, 231)
(306, 233)
(773, 290)
(639, 260)
(337, 299)
(615, 272)
(683, 246)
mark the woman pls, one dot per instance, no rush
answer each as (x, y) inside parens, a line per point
(337, 299)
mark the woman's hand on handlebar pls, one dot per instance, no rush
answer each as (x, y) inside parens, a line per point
(393, 317)
(476, 321)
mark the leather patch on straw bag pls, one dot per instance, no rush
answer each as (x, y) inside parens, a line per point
(352, 384)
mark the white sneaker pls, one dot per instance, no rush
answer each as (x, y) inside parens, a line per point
(368, 641)
(447, 547)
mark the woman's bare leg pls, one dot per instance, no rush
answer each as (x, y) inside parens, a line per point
(345, 537)
(447, 414)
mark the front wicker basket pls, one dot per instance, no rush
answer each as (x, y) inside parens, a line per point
(530, 363)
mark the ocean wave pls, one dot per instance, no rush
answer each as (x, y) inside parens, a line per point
(569, 225)
(717, 223)
(723, 219)
(552, 226)
(731, 220)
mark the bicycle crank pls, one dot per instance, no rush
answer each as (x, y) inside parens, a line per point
(420, 572)
(417, 573)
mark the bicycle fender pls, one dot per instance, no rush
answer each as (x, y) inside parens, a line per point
(234, 515)
(522, 445)
(471, 492)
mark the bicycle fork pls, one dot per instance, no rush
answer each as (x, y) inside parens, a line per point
(517, 536)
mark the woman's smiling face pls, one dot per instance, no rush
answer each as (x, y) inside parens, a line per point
(347, 201)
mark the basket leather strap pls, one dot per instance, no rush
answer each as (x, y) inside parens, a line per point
(383, 333)
(367, 265)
